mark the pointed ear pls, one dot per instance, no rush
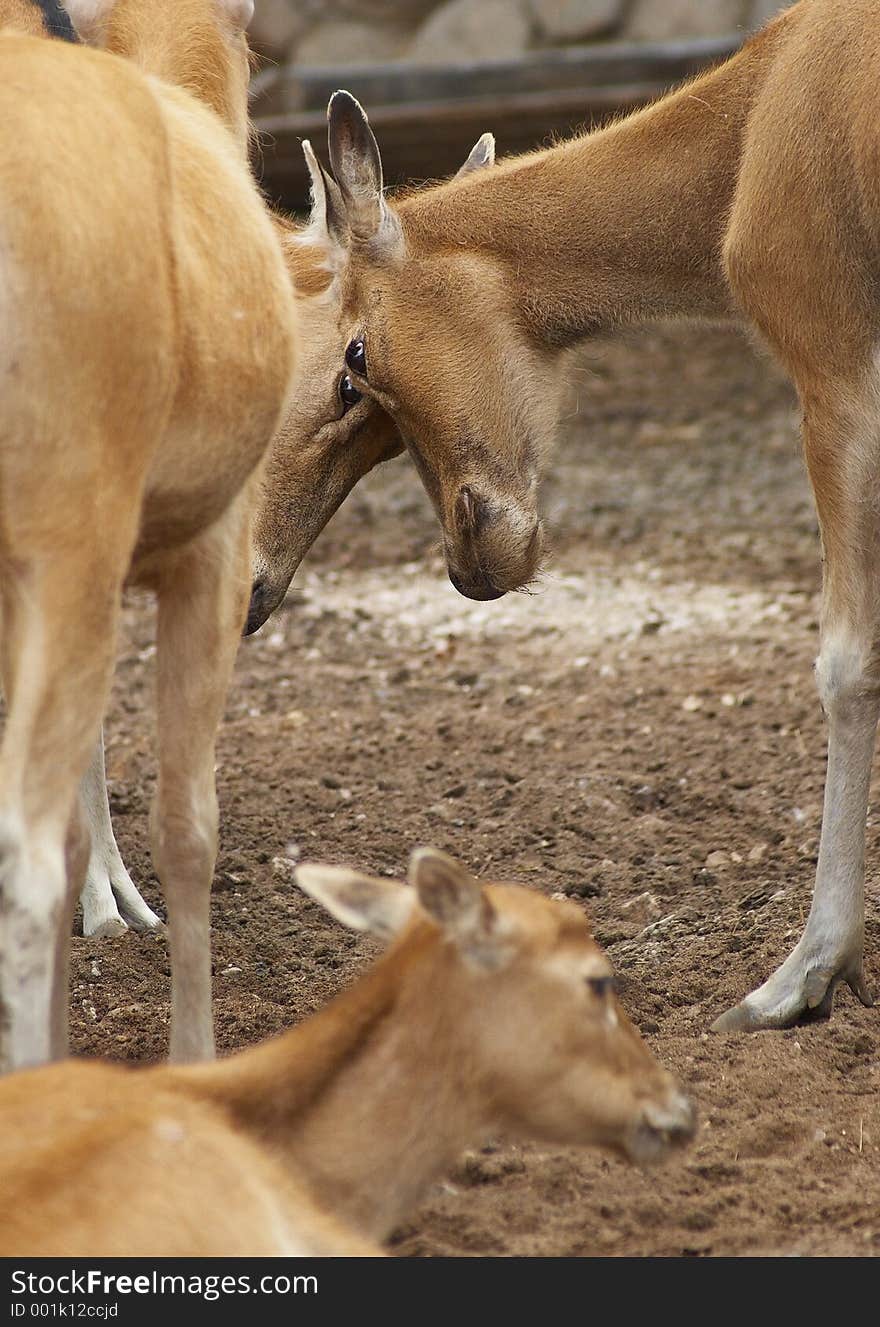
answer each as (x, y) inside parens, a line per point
(88, 16)
(458, 904)
(363, 902)
(328, 209)
(481, 155)
(357, 168)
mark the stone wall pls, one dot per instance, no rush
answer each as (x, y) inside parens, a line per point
(345, 32)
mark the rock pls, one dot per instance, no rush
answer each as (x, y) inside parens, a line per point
(384, 10)
(649, 828)
(716, 861)
(473, 30)
(643, 908)
(560, 21)
(351, 42)
(650, 21)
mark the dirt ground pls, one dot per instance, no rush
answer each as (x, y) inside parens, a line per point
(643, 734)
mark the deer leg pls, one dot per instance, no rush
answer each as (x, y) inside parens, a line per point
(110, 902)
(203, 596)
(59, 634)
(843, 456)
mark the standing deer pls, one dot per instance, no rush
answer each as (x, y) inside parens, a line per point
(110, 901)
(747, 193)
(147, 335)
(492, 1010)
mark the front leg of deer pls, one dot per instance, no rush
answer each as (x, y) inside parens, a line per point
(203, 598)
(848, 674)
(110, 902)
(56, 675)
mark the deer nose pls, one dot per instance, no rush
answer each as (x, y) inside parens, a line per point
(676, 1119)
(477, 586)
(259, 607)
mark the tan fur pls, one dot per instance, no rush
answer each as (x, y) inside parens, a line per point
(481, 1017)
(146, 351)
(750, 192)
(21, 16)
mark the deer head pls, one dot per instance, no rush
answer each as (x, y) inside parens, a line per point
(435, 337)
(335, 430)
(515, 995)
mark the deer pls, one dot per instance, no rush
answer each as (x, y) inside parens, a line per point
(492, 1010)
(110, 901)
(147, 347)
(746, 194)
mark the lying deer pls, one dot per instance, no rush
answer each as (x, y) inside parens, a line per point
(147, 351)
(749, 192)
(493, 1010)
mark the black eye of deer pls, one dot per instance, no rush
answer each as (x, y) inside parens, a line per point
(348, 393)
(356, 357)
(601, 986)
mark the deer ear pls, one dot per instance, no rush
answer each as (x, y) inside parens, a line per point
(357, 167)
(328, 210)
(87, 16)
(458, 904)
(363, 902)
(481, 155)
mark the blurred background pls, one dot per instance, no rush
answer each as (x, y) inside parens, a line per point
(435, 74)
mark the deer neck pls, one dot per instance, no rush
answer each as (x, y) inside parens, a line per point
(622, 225)
(367, 1101)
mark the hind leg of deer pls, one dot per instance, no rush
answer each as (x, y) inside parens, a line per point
(110, 902)
(203, 595)
(843, 455)
(59, 621)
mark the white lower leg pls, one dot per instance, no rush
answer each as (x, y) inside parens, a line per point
(109, 898)
(33, 896)
(831, 947)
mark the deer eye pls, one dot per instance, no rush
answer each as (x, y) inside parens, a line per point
(348, 393)
(601, 986)
(356, 357)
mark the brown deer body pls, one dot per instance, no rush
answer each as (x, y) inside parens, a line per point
(146, 350)
(751, 192)
(110, 900)
(493, 1010)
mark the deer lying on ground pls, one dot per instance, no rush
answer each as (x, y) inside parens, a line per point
(146, 348)
(492, 1010)
(749, 192)
(110, 901)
